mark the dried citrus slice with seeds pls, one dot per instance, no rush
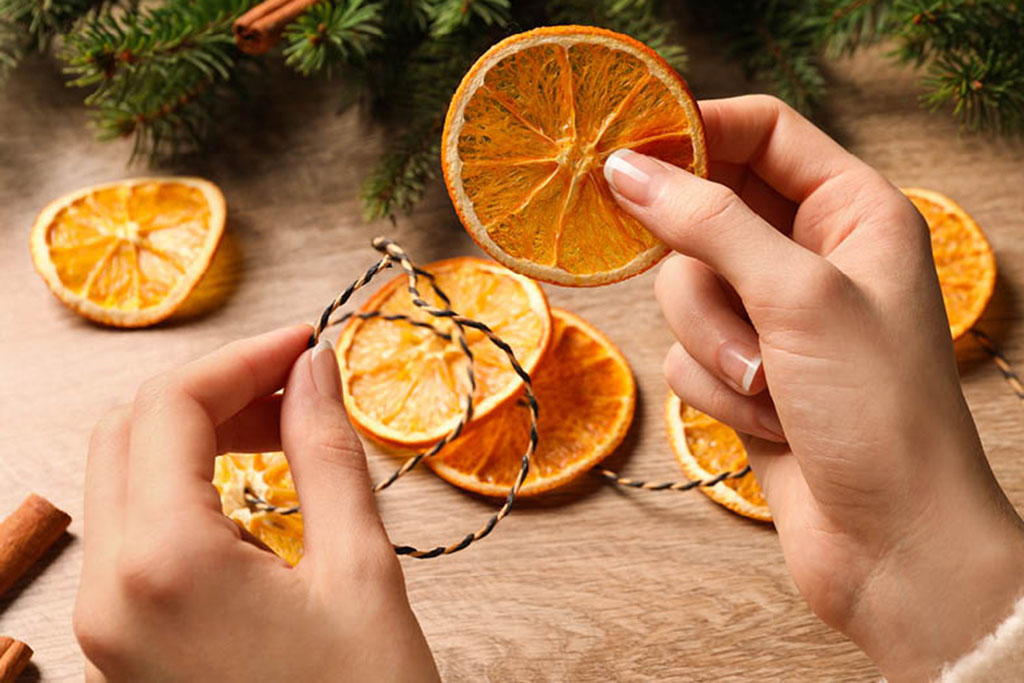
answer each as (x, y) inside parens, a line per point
(128, 253)
(586, 394)
(705, 448)
(268, 477)
(525, 141)
(404, 385)
(963, 258)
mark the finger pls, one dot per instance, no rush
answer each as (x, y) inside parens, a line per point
(701, 316)
(699, 388)
(174, 438)
(762, 199)
(778, 473)
(327, 461)
(106, 477)
(256, 429)
(709, 222)
(787, 151)
(834, 189)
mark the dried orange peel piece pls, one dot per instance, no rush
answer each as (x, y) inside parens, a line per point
(963, 258)
(405, 386)
(525, 141)
(268, 477)
(586, 394)
(704, 448)
(128, 253)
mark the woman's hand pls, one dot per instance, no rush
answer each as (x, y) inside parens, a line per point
(170, 588)
(803, 271)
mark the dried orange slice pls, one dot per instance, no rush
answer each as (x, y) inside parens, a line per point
(705, 448)
(268, 477)
(128, 253)
(586, 394)
(406, 386)
(525, 141)
(963, 258)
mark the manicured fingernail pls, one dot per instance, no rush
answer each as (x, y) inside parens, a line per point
(769, 420)
(740, 363)
(326, 376)
(630, 175)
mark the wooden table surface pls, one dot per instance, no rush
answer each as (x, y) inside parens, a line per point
(589, 584)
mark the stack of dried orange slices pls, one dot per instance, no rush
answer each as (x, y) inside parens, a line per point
(404, 384)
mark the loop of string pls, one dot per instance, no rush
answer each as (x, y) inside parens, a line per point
(392, 253)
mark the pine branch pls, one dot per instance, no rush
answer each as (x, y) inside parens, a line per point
(332, 33)
(779, 41)
(158, 75)
(450, 16)
(401, 175)
(40, 21)
(11, 49)
(642, 19)
(974, 56)
(415, 100)
(849, 24)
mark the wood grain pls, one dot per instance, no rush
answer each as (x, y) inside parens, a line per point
(589, 584)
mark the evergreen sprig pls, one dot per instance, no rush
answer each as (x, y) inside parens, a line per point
(846, 25)
(157, 74)
(401, 175)
(644, 20)
(778, 41)
(974, 50)
(11, 48)
(332, 33)
(449, 16)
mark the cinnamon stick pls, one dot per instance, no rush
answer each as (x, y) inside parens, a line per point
(25, 535)
(260, 28)
(14, 656)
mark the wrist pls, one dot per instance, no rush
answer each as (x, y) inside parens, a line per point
(941, 590)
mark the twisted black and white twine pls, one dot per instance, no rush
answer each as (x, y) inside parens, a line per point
(392, 253)
(628, 482)
(1005, 369)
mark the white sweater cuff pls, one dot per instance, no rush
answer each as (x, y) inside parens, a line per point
(997, 657)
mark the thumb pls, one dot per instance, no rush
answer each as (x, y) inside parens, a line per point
(704, 220)
(327, 459)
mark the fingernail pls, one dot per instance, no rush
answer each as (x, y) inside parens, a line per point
(740, 363)
(769, 420)
(630, 175)
(326, 376)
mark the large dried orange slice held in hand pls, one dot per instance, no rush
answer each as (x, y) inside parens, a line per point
(128, 253)
(406, 386)
(705, 448)
(525, 141)
(268, 477)
(963, 258)
(586, 394)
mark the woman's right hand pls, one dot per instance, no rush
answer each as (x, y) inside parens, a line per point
(803, 271)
